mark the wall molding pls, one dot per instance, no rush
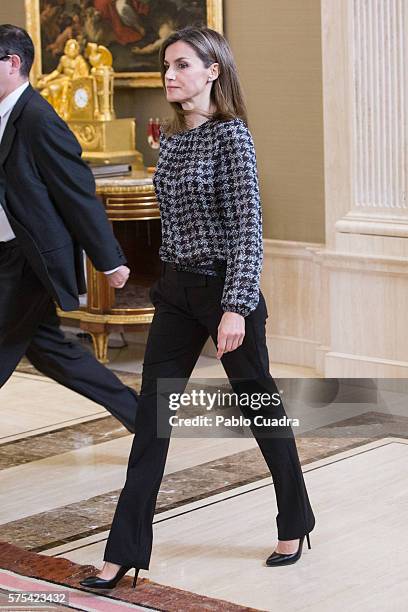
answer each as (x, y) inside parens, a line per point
(340, 313)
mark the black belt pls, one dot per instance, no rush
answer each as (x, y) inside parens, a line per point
(10, 244)
(177, 273)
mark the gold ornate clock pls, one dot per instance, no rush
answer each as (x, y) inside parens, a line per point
(82, 100)
(85, 100)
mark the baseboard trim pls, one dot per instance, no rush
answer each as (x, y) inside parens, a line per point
(344, 365)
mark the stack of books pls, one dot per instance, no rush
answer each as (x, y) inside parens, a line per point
(107, 170)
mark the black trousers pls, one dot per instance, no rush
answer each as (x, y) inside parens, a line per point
(29, 326)
(187, 312)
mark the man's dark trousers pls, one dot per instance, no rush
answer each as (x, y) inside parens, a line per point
(29, 325)
(188, 311)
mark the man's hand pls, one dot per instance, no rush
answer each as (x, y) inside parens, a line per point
(119, 278)
(231, 333)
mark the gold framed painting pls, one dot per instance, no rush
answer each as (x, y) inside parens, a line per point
(132, 30)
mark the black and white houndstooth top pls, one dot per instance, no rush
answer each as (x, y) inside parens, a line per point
(206, 184)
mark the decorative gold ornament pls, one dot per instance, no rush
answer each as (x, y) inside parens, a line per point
(100, 59)
(56, 87)
(83, 97)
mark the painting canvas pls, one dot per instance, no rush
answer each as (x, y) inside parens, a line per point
(132, 30)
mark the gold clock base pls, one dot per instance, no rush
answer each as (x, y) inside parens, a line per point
(108, 142)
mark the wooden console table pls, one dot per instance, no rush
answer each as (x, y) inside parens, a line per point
(131, 205)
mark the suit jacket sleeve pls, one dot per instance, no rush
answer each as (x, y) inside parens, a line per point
(71, 187)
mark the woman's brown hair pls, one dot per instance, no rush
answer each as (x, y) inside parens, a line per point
(226, 92)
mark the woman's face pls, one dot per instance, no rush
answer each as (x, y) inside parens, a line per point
(186, 77)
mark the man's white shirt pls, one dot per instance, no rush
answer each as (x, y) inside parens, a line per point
(6, 107)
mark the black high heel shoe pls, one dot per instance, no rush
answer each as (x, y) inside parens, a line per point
(276, 559)
(94, 582)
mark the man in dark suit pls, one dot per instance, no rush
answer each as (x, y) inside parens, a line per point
(48, 214)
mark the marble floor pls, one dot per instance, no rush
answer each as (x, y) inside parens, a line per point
(63, 462)
(223, 558)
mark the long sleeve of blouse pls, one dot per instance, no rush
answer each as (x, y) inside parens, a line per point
(238, 194)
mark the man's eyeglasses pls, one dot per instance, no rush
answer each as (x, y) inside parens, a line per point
(4, 57)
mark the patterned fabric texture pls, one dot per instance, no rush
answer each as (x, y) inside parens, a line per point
(207, 188)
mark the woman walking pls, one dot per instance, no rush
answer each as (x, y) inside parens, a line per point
(207, 188)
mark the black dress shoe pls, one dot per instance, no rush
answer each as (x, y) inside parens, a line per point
(276, 559)
(94, 582)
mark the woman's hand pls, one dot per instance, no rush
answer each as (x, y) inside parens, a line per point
(231, 333)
